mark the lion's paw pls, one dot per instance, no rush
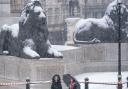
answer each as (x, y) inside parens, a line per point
(5, 52)
(31, 53)
(55, 53)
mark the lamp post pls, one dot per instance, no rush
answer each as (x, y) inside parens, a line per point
(119, 44)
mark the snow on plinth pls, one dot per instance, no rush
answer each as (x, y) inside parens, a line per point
(34, 0)
(63, 47)
(102, 77)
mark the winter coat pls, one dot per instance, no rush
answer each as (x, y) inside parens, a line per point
(56, 86)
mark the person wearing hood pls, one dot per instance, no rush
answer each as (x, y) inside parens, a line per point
(56, 82)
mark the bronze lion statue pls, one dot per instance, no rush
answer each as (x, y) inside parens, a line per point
(29, 38)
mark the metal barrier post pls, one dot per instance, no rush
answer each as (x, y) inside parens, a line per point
(119, 84)
(28, 83)
(86, 83)
(127, 82)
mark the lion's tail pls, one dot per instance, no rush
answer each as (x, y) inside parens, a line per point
(84, 42)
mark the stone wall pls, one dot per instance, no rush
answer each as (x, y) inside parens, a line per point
(95, 58)
(8, 20)
(82, 59)
(13, 69)
(4, 8)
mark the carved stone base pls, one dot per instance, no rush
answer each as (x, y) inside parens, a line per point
(71, 22)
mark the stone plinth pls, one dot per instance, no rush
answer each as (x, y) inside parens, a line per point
(14, 69)
(77, 60)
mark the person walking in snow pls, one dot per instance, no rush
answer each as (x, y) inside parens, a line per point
(71, 8)
(71, 82)
(56, 82)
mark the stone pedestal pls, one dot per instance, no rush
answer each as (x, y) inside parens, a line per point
(88, 58)
(71, 22)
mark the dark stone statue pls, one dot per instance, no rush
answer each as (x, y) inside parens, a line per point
(105, 29)
(29, 38)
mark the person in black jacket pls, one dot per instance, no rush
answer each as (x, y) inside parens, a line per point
(56, 82)
(71, 8)
(71, 82)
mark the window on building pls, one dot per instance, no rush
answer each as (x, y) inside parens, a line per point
(4, 1)
(99, 1)
(59, 0)
(94, 15)
(89, 14)
(57, 15)
(16, 6)
(43, 2)
(49, 14)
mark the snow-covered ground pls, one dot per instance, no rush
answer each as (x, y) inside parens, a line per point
(102, 77)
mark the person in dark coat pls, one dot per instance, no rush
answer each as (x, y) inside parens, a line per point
(56, 82)
(71, 82)
(71, 8)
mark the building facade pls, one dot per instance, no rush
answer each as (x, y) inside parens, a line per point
(96, 8)
(58, 10)
(4, 8)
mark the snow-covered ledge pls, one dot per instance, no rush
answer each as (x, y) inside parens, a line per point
(71, 22)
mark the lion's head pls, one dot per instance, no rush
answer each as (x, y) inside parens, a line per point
(33, 20)
(113, 12)
(33, 11)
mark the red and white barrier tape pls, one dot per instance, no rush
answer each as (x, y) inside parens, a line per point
(24, 83)
(40, 82)
(105, 83)
(46, 82)
(12, 84)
